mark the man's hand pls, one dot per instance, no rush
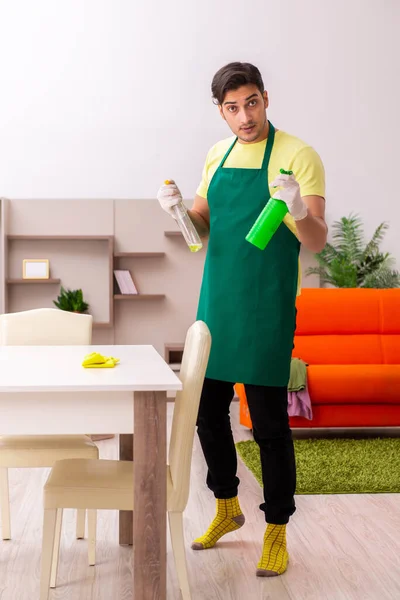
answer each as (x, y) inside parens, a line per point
(169, 196)
(290, 194)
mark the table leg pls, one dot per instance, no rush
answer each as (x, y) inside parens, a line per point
(126, 516)
(150, 496)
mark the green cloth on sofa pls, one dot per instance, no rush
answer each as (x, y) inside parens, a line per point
(298, 375)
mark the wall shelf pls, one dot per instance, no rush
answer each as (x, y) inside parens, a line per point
(89, 238)
(139, 297)
(173, 354)
(32, 281)
(14, 243)
(138, 254)
(102, 325)
(85, 241)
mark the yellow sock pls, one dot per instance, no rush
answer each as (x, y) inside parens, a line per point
(229, 517)
(274, 558)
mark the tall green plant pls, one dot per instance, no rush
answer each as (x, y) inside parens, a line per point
(348, 262)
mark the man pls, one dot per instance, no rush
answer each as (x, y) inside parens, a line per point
(248, 298)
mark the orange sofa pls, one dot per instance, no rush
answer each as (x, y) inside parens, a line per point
(350, 339)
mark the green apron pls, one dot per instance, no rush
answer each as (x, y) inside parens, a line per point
(248, 296)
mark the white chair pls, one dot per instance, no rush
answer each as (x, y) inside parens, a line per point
(46, 326)
(108, 484)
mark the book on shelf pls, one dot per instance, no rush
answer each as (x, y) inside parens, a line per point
(125, 282)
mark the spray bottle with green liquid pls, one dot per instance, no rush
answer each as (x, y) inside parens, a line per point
(268, 221)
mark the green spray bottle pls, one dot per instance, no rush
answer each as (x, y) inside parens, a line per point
(268, 221)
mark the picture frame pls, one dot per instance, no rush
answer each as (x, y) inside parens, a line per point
(35, 268)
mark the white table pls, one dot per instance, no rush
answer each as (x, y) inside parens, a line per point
(45, 390)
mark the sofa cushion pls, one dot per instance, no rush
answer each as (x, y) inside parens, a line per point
(348, 311)
(391, 349)
(354, 384)
(340, 349)
(390, 311)
(337, 311)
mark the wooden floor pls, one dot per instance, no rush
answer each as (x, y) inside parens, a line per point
(341, 547)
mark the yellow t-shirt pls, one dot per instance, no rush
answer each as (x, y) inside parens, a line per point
(288, 152)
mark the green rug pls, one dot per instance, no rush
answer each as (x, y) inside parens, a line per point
(338, 466)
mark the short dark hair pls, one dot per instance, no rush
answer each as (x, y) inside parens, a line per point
(232, 77)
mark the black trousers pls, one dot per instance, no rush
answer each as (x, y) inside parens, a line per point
(268, 412)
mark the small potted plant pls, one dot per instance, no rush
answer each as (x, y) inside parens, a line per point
(71, 301)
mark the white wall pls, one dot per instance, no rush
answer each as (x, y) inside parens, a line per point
(106, 98)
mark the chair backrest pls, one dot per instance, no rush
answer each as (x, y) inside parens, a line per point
(45, 327)
(193, 369)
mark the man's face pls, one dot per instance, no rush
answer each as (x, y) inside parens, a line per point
(244, 111)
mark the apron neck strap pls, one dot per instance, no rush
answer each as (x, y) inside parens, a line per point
(228, 153)
(268, 147)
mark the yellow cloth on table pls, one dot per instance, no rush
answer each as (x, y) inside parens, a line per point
(98, 361)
